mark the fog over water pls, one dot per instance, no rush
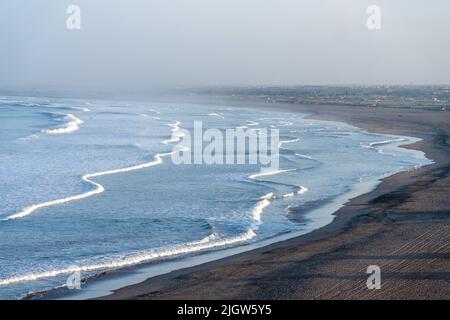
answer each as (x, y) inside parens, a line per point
(145, 43)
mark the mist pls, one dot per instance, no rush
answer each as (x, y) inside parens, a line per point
(150, 43)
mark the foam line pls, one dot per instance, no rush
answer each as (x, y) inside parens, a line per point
(157, 160)
(280, 144)
(136, 259)
(70, 127)
(209, 242)
(214, 114)
(288, 195)
(269, 173)
(259, 207)
(176, 133)
(380, 143)
(302, 190)
(251, 123)
(303, 156)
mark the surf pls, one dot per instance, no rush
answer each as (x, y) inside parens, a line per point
(98, 188)
(209, 242)
(71, 126)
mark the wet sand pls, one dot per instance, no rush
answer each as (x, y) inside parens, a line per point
(403, 226)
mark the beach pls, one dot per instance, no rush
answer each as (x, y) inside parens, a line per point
(402, 226)
(167, 152)
(119, 207)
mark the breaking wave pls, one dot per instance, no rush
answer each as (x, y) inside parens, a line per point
(71, 126)
(98, 188)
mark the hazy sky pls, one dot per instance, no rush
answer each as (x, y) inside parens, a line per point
(223, 42)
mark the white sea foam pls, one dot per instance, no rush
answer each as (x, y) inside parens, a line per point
(87, 107)
(216, 114)
(209, 242)
(259, 207)
(281, 143)
(380, 143)
(177, 134)
(87, 178)
(71, 126)
(304, 156)
(135, 259)
(98, 187)
(287, 195)
(372, 145)
(302, 190)
(269, 173)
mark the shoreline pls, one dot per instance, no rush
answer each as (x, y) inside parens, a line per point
(339, 224)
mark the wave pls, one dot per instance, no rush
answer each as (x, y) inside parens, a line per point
(280, 144)
(87, 107)
(136, 259)
(157, 159)
(71, 126)
(304, 156)
(177, 134)
(380, 143)
(209, 242)
(259, 208)
(251, 123)
(287, 195)
(281, 123)
(302, 190)
(87, 178)
(214, 114)
(269, 173)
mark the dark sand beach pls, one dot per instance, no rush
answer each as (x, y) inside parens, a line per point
(403, 226)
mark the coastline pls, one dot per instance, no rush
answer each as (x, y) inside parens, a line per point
(212, 279)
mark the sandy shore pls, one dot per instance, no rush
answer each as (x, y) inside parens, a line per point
(403, 226)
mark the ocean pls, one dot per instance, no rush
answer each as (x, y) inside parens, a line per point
(89, 186)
